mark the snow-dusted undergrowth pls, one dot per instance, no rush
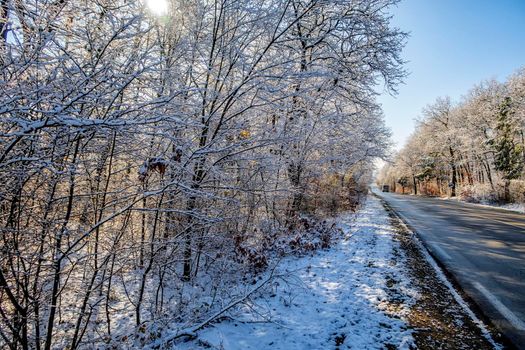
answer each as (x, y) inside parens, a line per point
(337, 297)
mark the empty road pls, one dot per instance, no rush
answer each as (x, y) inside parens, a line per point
(483, 248)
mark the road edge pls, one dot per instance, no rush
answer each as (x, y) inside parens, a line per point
(486, 326)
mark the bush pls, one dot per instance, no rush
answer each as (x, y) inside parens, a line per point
(517, 191)
(478, 193)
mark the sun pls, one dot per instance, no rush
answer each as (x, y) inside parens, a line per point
(158, 7)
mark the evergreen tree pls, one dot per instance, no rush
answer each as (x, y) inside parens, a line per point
(508, 154)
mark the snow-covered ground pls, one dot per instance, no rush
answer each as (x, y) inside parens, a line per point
(517, 207)
(337, 298)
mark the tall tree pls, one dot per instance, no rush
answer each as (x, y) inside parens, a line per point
(508, 152)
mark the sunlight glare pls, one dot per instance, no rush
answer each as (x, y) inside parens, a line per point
(158, 7)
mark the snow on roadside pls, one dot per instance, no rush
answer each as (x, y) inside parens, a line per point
(336, 298)
(515, 207)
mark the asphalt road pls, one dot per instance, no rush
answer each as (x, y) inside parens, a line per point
(483, 248)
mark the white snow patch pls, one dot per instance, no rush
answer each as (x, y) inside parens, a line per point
(515, 207)
(340, 292)
(519, 207)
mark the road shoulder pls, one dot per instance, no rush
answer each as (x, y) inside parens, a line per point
(374, 289)
(443, 316)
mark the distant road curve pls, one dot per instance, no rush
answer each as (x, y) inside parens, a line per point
(483, 248)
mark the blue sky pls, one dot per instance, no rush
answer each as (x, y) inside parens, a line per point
(453, 45)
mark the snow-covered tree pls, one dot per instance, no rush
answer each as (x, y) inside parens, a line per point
(508, 157)
(475, 146)
(147, 160)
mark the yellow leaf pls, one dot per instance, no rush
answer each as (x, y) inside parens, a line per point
(244, 134)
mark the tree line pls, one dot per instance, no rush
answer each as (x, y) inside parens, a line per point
(474, 148)
(145, 160)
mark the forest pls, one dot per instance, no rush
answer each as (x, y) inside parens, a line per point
(150, 163)
(473, 149)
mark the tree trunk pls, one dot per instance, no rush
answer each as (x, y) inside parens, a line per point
(454, 173)
(506, 195)
(186, 271)
(57, 263)
(486, 165)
